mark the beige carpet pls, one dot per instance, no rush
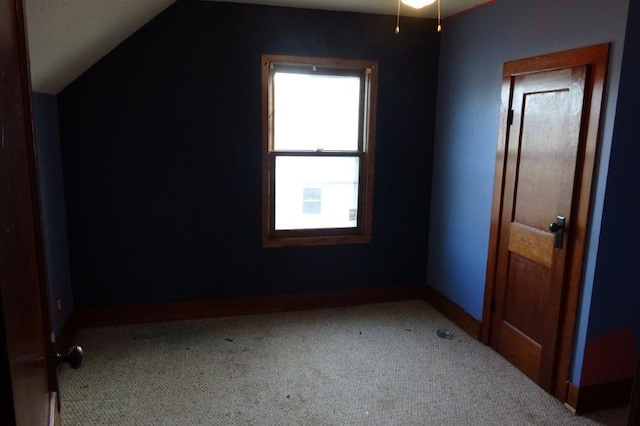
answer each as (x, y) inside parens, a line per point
(379, 364)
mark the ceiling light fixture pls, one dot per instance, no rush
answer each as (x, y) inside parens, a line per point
(417, 4)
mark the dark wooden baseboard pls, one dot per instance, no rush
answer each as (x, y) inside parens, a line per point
(119, 315)
(452, 311)
(584, 399)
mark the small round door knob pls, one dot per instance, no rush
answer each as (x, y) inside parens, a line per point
(554, 227)
(73, 357)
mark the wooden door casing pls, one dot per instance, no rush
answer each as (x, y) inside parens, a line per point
(593, 59)
(22, 268)
(634, 404)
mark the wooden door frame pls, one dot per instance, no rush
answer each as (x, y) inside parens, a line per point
(31, 264)
(634, 404)
(595, 58)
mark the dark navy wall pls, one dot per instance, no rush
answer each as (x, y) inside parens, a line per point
(474, 47)
(614, 318)
(161, 152)
(54, 217)
(616, 292)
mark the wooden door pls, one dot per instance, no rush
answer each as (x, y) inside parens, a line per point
(539, 181)
(22, 273)
(551, 108)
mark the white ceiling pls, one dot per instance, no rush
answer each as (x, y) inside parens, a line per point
(384, 7)
(66, 37)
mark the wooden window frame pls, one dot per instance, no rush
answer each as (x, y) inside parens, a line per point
(366, 149)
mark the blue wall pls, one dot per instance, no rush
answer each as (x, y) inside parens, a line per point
(54, 216)
(161, 144)
(474, 46)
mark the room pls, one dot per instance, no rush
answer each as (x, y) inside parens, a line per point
(172, 170)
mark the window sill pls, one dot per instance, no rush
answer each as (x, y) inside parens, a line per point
(315, 241)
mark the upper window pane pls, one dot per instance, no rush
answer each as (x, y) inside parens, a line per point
(315, 112)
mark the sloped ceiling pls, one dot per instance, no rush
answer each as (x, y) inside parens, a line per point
(66, 37)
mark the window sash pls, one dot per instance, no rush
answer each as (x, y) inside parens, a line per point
(311, 106)
(358, 229)
(313, 69)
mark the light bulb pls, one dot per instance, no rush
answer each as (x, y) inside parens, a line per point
(418, 4)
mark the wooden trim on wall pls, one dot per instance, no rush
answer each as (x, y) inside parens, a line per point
(54, 410)
(496, 210)
(584, 399)
(452, 311)
(597, 57)
(634, 404)
(119, 315)
(367, 71)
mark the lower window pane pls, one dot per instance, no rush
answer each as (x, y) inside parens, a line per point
(316, 193)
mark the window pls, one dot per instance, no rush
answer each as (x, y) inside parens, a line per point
(318, 150)
(312, 201)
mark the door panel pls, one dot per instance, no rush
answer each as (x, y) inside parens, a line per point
(523, 351)
(542, 151)
(524, 302)
(22, 274)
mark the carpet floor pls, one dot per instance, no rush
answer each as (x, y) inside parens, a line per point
(379, 364)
